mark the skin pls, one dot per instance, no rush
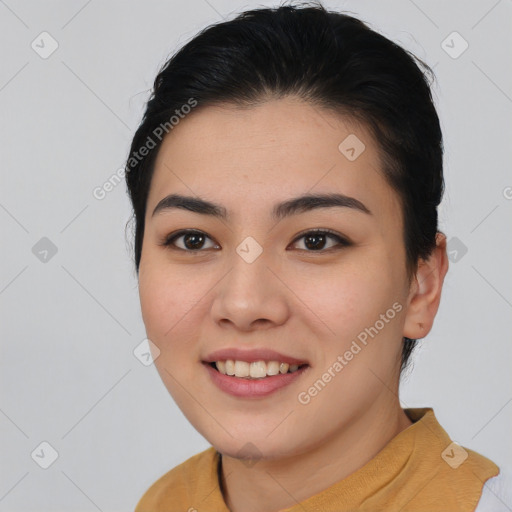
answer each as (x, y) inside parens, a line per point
(305, 303)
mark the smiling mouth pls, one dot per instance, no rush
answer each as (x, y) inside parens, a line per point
(255, 370)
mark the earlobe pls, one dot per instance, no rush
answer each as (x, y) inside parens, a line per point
(425, 291)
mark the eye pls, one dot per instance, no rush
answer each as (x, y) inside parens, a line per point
(192, 240)
(315, 240)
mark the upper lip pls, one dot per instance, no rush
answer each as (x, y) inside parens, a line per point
(256, 354)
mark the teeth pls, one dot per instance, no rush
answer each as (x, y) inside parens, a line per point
(230, 367)
(241, 369)
(272, 368)
(254, 370)
(257, 369)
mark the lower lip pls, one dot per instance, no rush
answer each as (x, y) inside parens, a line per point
(252, 388)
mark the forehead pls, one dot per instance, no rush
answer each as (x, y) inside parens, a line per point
(252, 158)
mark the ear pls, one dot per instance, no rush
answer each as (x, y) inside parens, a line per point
(425, 291)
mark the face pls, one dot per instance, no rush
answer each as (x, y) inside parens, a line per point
(259, 279)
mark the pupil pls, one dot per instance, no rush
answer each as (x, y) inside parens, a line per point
(314, 245)
(196, 238)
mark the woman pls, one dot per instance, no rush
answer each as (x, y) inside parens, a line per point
(285, 182)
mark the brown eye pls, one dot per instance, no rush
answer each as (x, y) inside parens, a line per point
(316, 240)
(192, 241)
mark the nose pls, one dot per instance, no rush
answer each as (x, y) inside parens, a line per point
(251, 296)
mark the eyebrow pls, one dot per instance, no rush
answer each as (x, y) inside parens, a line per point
(281, 210)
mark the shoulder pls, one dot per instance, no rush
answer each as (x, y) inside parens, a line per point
(497, 493)
(180, 484)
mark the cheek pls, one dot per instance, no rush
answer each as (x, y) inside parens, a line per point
(349, 297)
(174, 303)
(165, 300)
(169, 302)
(156, 303)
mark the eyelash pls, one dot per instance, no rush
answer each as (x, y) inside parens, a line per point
(342, 241)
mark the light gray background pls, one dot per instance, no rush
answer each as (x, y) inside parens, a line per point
(69, 325)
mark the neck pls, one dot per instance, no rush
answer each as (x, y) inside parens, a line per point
(274, 484)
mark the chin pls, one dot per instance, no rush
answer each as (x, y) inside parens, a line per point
(251, 448)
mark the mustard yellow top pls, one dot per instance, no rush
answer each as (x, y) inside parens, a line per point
(420, 469)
